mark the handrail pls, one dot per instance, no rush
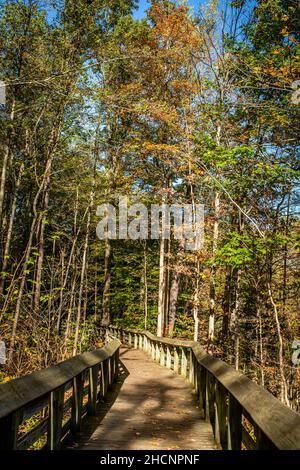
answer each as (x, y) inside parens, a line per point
(242, 413)
(58, 397)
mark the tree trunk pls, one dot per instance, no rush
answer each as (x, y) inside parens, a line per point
(161, 290)
(212, 289)
(82, 278)
(7, 160)
(10, 227)
(174, 290)
(284, 386)
(107, 280)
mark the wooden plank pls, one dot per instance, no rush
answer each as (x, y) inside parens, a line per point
(247, 440)
(26, 441)
(68, 404)
(34, 408)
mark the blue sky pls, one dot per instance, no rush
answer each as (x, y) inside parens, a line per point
(143, 5)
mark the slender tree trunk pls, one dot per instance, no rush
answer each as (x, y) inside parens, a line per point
(61, 293)
(284, 386)
(71, 304)
(7, 160)
(46, 187)
(82, 278)
(161, 290)
(10, 227)
(196, 302)
(107, 280)
(260, 346)
(145, 287)
(51, 150)
(212, 289)
(174, 290)
(234, 318)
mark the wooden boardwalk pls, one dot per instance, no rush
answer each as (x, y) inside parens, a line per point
(150, 408)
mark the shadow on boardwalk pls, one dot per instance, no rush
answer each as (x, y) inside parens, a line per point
(148, 408)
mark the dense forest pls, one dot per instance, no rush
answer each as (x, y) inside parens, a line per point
(182, 106)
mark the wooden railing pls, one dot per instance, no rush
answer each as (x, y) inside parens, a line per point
(243, 414)
(40, 409)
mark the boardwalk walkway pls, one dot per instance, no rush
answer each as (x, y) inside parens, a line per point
(152, 409)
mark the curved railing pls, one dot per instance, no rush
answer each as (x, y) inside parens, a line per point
(55, 399)
(242, 414)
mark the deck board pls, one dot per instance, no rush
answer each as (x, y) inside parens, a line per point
(153, 409)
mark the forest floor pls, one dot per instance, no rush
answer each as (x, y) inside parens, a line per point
(150, 408)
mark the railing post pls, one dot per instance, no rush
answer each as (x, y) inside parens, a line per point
(202, 391)
(135, 341)
(116, 363)
(129, 339)
(104, 378)
(9, 431)
(93, 383)
(157, 352)
(176, 360)
(262, 442)
(162, 355)
(148, 349)
(110, 365)
(234, 424)
(153, 350)
(77, 403)
(169, 358)
(56, 411)
(220, 415)
(210, 399)
(196, 374)
(191, 366)
(183, 370)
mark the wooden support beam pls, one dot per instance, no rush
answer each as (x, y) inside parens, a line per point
(169, 358)
(183, 368)
(78, 383)
(93, 384)
(176, 361)
(234, 424)
(56, 411)
(9, 426)
(221, 434)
